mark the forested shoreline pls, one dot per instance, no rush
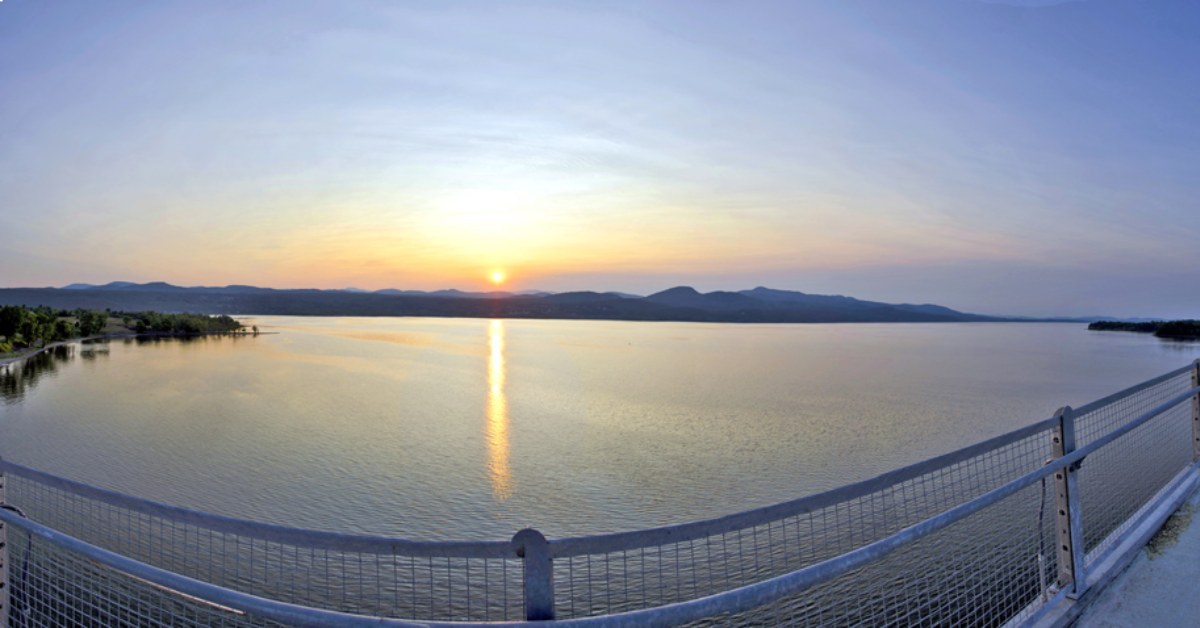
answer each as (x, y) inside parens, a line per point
(23, 328)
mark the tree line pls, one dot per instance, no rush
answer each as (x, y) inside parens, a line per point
(1176, 330)
(31, 327)
(143, 322)
(24, 327)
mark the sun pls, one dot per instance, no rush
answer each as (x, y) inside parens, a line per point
(497, 277)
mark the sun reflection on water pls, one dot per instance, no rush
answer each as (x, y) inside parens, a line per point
(497, 415)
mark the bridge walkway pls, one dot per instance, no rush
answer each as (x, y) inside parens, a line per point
(1161, 587)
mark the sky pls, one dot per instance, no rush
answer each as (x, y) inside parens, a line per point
(1028, 157)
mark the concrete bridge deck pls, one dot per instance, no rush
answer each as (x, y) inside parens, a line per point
(1161, 587)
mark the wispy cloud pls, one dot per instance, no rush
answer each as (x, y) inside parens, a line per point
(420, 145)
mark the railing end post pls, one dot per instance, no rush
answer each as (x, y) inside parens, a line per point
(1069, 519)
(1196, 411)
(5, 583)
(1065, 431)
(534, 550)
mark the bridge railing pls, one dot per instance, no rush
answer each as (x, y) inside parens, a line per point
(995, 533)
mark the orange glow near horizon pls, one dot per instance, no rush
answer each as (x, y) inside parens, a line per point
(492, 239)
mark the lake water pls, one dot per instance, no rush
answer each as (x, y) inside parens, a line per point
(472, 429)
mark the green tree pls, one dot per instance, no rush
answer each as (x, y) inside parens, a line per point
(91, 323)
(10, 318)
(29, 328)
(63, 329)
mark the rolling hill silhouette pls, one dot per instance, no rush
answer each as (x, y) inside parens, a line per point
(681, 303)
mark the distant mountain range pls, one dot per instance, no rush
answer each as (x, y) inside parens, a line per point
(683, 303)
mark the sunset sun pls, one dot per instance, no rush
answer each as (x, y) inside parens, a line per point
(497, 277)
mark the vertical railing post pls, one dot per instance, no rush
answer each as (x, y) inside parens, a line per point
(1069, 522)
(5, 585)
(1196, 412)
(533, 548)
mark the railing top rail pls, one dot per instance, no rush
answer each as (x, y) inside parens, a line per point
(1132, 390)
(560, 548)
(206, 593)
(732, 601)
(336, 541)
(1129, 426)
(678, 533)
(682, 532)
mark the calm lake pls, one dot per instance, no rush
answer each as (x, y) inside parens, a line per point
(472, 429)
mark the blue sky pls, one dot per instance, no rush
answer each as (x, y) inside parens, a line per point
(1016, 157)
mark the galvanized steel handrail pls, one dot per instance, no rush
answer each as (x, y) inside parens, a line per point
(365, 544)
(678, 533)
(1083, 452)
(682, 532)
(292, 614)
(1132, 390)
(567, 546)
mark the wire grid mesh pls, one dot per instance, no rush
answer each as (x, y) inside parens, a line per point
(985, 570)
(55, 587)
(1123, 476)
(1095, 423)
(643, 577)
(384, 585)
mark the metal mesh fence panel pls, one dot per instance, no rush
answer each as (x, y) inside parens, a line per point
(981, 571)
(596, 583)
(1102, 417)
(1132, 469)
(1123, 476)
(361, 582)
(55, 587)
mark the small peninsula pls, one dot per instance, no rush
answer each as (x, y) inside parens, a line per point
(28, 330)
